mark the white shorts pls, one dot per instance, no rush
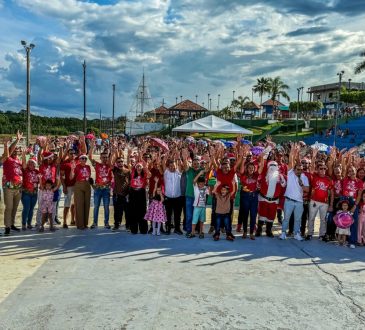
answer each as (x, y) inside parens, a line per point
(69, 196)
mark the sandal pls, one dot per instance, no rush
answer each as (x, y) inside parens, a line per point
(216, 237)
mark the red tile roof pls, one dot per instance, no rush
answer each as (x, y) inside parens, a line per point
(251, 105)
(161, 111)
(188, 105)
(270, 102)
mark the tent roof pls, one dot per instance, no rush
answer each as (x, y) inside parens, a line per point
(212, 124)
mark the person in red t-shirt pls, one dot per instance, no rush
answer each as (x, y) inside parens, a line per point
(137, 198)
(12, 182)
(82, 172)
(68, 187)
(30, 191)
(321, 201)
(103, 180)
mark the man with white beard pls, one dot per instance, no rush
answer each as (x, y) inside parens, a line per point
(272, 184)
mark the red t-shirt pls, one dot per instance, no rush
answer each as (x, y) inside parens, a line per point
(226, 179)
(155, 173)
(103, 174)
(283, 169)
(351, 187)
(12, 171)
(320, 188)
(337, 186)
(30, 179)
(48, 172)
(249, 184)
(66, 167)
(139, 181)
(82, 173)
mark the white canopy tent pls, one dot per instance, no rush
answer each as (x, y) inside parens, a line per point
(212, 124)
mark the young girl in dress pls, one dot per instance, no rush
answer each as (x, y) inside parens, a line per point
(156, 212)
(48, 205)
(361, 223)
(343, 220)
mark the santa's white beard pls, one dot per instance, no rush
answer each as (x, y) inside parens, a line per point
(272, 178)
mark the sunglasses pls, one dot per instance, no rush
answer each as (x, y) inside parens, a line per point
(322, 168)
(82, 158)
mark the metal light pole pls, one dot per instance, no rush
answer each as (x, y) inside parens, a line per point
(350, 84)
(28, 49)
(196, 98)
(233, 95)
(113, 110)
(219, 96)
(84, 70)
(340, 74)
(208, 100)
(296, 122)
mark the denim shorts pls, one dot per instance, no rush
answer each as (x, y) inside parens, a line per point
(198, 214)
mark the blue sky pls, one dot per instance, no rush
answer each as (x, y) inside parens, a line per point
(186, 47)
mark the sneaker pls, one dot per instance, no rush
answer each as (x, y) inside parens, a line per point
(298, 237)
(308, 237)
(211, 230)
(65, 226)
(238, 228)
(282, 236)
(178, 232)
(107, 226)
(29, 227)
(201, 235)
(7, 231)
(115, 228)
(325, 238)
(93, 226)
(14, 228)
(252, 237)
(190, 235)
(24, 227)
(352, 246)
(57, 221)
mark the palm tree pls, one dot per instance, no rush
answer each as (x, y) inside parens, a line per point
(361, 66)
(261, 87)
(240, 103)
(277, 87)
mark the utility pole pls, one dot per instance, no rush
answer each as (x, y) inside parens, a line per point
(85, 121)
(113, 110)
(28, 49)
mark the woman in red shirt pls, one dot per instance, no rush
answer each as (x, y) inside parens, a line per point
(137, 198)
(82, 191)
(248, 199)
(29, 191)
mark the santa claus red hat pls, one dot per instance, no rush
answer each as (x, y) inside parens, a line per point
(33, 160)
(47, 155)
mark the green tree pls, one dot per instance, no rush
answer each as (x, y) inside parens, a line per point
(306, 109)
(353, 97)
(239, 103)
(277, 87)
(360, 67)
(262, 86)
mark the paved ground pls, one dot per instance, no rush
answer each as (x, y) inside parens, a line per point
(104, 280)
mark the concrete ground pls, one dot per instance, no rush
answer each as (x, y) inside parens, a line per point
(104, 280)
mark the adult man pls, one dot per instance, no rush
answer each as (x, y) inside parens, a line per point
(173, 204)
(12, 182)
(297, 183)
(322, 186)
(283, 169)
(103, 180)
(68, 187)
(122, 179)
(271, 183)
(191, 173)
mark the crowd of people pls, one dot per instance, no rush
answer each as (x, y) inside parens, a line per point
(163, 187)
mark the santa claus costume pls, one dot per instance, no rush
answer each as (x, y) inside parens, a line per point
(272, 184)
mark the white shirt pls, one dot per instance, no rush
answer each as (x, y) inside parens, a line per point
(200, 196)
(172, 183)
(293, 189)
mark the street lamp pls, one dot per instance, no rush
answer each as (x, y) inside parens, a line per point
(340, 74)
(113, 110)
(208, 100)
(28, 49)
(84, 88)
(299, 89)
(233, 95)
(196, 98)
(350, 84)
(219, 96)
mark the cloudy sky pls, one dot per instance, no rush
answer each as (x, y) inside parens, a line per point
(185, 47)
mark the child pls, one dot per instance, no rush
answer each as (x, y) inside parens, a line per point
(200, 203)
(361, 224)
(343, 220)
(47, 205)
(222, 211)
(156, 212)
